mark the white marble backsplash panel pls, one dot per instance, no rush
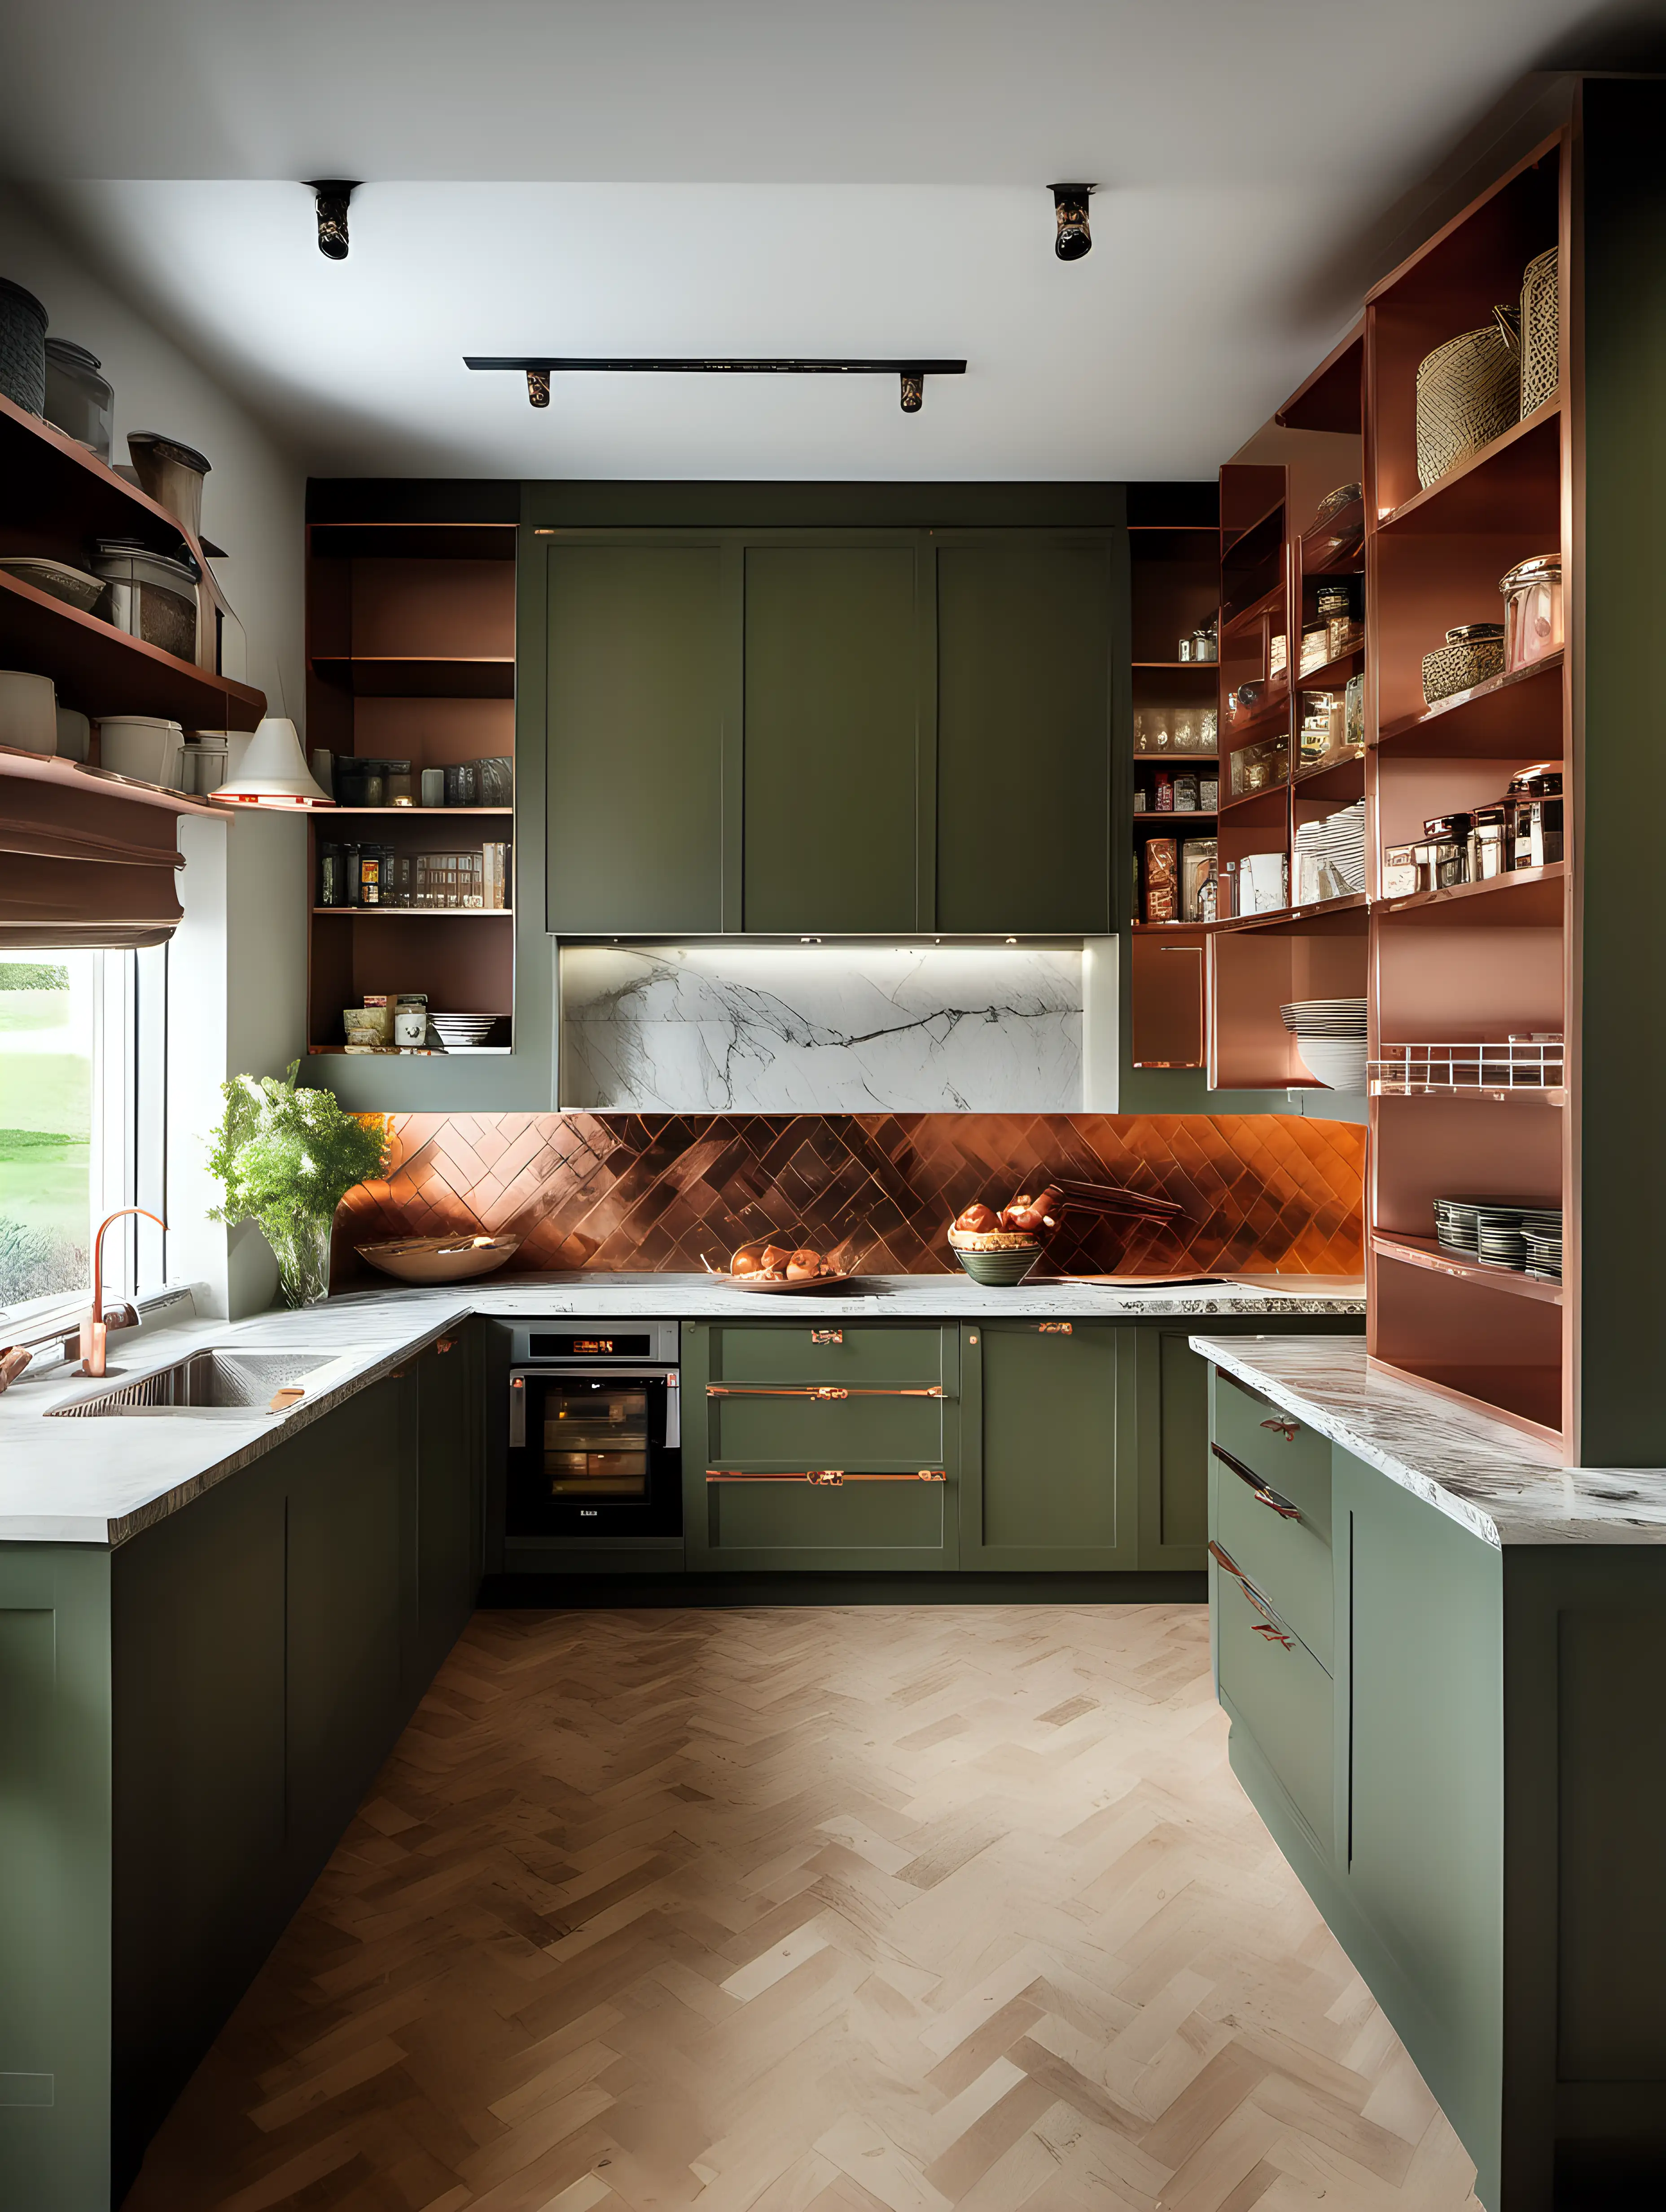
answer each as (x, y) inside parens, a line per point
(821, 1029)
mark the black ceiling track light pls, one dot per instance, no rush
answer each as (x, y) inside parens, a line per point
(331, 196)
(538, 368)
(1074, 239)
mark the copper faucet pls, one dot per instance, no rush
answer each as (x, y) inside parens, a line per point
(96, 1328)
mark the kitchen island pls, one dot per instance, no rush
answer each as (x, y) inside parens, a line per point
(215, 1619)
(1438, 1647)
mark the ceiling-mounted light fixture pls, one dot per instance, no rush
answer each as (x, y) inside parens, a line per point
(537, 368)
(331, 196)
(274, 771)
(1070, 207)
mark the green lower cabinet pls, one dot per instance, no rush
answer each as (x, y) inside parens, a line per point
(450, 1519)
(870, 1413)
(1047, 1423)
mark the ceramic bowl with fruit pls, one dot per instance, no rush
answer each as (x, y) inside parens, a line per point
(771, 1266)
(998, 1249)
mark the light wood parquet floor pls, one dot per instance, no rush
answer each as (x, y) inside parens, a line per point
(810, 1910)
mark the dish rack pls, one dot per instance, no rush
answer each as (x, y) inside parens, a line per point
(1520, 1064)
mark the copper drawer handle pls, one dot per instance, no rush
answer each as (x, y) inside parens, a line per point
(827, 1478)
(819, 1390)
(1286, 1429)
(1263, 1493)
(1275, 1629)
(1055, 1328)
(827, 1336)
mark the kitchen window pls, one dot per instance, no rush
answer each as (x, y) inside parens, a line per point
(83, 1093)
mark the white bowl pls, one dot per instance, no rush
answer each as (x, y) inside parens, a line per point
(28, 711)
(1337, 1062)
(141, 745)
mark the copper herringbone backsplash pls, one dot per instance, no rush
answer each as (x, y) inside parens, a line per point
(656, 1191)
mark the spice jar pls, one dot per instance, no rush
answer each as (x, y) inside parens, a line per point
(1162, 787)
(1532, 610)
(331, 887)
(1489, 844)
(1185, 794)
(1446, 855)
(1534, 804)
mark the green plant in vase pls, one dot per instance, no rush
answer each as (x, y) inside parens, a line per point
(285, 1159)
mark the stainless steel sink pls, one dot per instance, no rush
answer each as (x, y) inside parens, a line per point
(208, 1381)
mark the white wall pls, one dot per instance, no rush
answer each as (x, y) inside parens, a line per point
(238, 964)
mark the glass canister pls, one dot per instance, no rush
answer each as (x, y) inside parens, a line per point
(1532, 610)
(152, 596)
(331, 887)
(79, 400)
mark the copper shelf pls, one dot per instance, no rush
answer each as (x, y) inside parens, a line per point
(1503, 487)
(1182, 755)
(48, 768)
(1526, 897)
(1328, 767)
(1293, 917)
(417, 813)
(1427, 1252)
(1481, 723)
(1190, 667)
(1331, 675)
(1174, 814)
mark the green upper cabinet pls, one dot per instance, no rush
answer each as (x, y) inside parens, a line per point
(642, 692)
(833, 739)
(1024, 643)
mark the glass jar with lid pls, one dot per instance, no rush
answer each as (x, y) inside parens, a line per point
(79, 400)
(1532, 610)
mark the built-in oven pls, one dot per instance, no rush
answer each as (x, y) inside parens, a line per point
(594, 1432)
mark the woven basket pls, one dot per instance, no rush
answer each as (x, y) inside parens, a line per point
(1542, 366)
(1460, 662)
(23, 348)
(1468, 393)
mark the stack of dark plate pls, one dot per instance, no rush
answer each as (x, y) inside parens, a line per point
(472, 1032)
(1496, 1232)
(1330, 1036)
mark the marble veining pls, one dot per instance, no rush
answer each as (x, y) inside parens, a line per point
(719, 1028)
(102, 1481)
(1504, 1487)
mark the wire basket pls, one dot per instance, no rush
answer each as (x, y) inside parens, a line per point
(1542, 366)
(1519, 1064)
(1468, 393)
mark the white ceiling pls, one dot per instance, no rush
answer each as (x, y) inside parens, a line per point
(757, 176)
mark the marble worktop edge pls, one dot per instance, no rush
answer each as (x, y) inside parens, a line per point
(1501, 1485)
(61, 1482)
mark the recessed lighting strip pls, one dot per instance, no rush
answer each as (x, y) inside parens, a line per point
(538, 368)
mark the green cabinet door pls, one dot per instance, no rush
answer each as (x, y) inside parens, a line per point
(1046, 1445)
(643, 674)
(1025, 638)
(448, 1513)
(834, 731)
(1173, 1447)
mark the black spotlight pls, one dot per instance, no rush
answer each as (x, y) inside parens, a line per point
(332, 194)
(1070, 204)
(914, 392)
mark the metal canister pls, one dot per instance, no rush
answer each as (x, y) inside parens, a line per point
(1489, 843)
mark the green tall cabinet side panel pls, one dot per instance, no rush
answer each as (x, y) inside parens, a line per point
(833, 738)
(1173, 1451)
(1024, 627)
(448, 1504)
(640, 687)
(1424, 1863)
(198, 1619)
(347, 1610)
(1047, 1446)
(55, 1822)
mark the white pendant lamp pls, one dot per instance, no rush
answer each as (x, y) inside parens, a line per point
(274, 771)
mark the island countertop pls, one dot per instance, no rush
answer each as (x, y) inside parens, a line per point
(102, 1480)
(1503, 1486)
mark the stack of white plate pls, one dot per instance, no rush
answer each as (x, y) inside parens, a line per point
(1330, 1036)
(1337, 843)
(471, 1032)
(1456, 1227)
(1510, 1234)
(1544, 1253)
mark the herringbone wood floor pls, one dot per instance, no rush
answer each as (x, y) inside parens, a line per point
(796, 1910)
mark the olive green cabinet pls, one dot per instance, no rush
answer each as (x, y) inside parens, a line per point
(1047, 1430)
(190, 1721)
(827, 732)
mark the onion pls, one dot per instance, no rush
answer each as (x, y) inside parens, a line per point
(979, 1219)
(803, 1266)
(747, 1260)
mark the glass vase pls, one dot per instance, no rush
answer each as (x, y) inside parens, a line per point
(303, 1259)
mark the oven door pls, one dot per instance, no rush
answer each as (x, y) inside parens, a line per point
(594, 1451)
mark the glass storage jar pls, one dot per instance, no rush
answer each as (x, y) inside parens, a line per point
(79, 401)
(1532, 610)
(152, 596)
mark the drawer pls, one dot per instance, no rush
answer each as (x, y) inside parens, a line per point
(828, 1351)
(1294, 1459)
(831, 1525)
(751, 1424)
(1282, 1551)
(1275, 1688)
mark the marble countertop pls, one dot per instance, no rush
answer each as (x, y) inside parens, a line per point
(1504, 1487)
(102, 1481)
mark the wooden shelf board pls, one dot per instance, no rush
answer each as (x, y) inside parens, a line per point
(47, 767)
(1531, 897)
(418, 676)
(1308, 777)
(1189, 667)
(55, 488)
(1232, 540)
(1180, 755)
(419, 912)
(102, 670)
(1501, 487)
(1332, 675)
(1481, 723)
(417, 813)
(1427, 1252)
(410, 1051)
(1151, 817)
(1244, 618)
(1246, 799)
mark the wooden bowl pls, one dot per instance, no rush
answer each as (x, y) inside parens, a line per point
(455, 1259)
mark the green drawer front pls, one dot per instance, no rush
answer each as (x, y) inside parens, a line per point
(1284, 1698)
(887, 1434)
(1296, 1465)
(810, 1518)
(1288, 1561)
(789, 1353)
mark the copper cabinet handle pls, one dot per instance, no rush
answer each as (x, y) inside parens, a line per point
(818, 1390)
(1286, 1429)
(1269, 1625)
(1263, 1492)
(827, 1478)
(1055, 1328)
(827, 1336)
